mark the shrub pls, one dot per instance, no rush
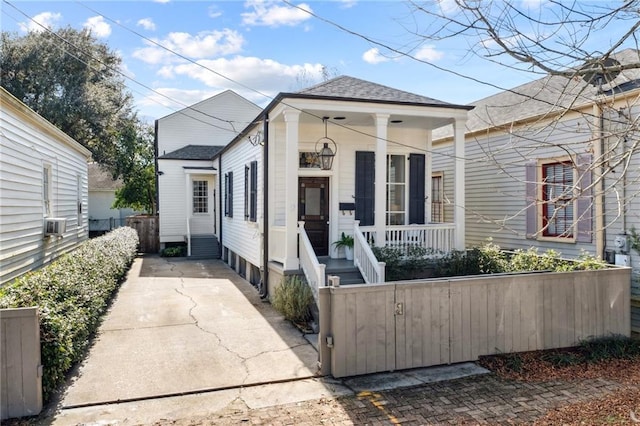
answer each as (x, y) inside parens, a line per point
(72, 292)
(403, 263)
(486, 259)
(292, 299)
(175, 251)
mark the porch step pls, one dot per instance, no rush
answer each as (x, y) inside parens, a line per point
(345, 269)
(205, 247)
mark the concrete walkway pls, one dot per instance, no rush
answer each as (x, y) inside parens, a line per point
(180, 326)
(192, 338)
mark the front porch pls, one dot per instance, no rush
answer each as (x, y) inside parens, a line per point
(380, 187)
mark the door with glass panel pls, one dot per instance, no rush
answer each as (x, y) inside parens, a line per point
(202, 205)
(313, 209)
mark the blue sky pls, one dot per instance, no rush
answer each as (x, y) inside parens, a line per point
(269, 47)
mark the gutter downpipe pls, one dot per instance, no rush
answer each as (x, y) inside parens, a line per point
(599, 175)
(264, 289)
(220, 206)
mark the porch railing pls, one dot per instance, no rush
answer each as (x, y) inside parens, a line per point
(363, 258)
(436, 238)
(314, 271)
(278, 243)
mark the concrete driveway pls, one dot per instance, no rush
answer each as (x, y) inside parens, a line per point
(178, 327)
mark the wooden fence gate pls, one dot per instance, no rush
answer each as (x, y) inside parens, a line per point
(148, 232)
(394, 326)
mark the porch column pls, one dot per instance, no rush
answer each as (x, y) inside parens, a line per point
(380, 218)
(459, 183)
(292, 121)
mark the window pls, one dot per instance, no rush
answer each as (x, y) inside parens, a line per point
(437, 197)
(228, 194)
(557, 199)
(79, 199)
(200, 197)
(396, 189)
(46, 190)
(308, 160)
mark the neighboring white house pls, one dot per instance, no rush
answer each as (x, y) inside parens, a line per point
(43, 190)
(531, 149)
(186, 142)
(102, 194)
(282, 211)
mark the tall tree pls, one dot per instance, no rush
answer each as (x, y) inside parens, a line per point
(575, 52)
(74, 81)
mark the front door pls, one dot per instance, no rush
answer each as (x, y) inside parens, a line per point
(313, 209)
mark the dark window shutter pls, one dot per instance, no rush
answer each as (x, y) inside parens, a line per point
(246, 192)
(230, 194)
(531, 187)
(416, 188)
(253, 203)
(365, 187)
(226, 194)
(584, 214)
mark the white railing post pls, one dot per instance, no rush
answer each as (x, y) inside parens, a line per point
(314, 271)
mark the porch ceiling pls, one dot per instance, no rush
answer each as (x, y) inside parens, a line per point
(366, 119)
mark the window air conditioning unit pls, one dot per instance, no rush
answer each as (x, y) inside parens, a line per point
(55, 226)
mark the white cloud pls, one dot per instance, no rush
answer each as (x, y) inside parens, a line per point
(175, 98)
(214, 11)
(533, 4)
(373, 56)
(428, 53)
(347, 4)
(44, 19)
(162, 1)
(202, 45)
(147, 24)
(264, 75)
(272, 14)
(98, 26)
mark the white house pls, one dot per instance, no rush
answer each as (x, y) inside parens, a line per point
(102, 194)
(554, 164)
(186, 142)
(43, 190)
(376, 189)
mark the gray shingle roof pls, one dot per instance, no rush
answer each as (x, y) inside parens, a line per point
(356, 89)
(192, 152)
(545, 95)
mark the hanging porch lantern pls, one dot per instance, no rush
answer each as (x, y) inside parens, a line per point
(326, 149)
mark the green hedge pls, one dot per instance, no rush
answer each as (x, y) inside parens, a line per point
(72, 293)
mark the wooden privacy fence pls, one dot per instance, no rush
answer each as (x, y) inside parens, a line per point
(20, 368)
(394, 326)
(147, 228)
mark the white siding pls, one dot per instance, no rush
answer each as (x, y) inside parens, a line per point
(100, 203)
(239, 234)
(28, 144)
(223, 117)
(214, 121)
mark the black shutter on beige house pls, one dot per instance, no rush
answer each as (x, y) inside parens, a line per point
(416, 189)
(365, 187)
(584, 214)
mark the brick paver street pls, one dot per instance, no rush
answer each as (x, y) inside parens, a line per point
(484, 399)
